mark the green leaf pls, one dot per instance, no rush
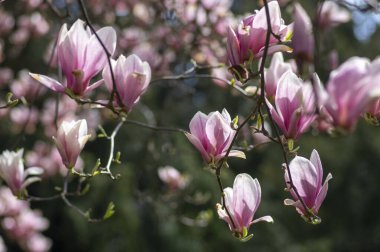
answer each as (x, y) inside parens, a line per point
(110, 211)
(87, 214)
(259, 122)
(245, 232)
(102, 133)
(96, 167)
(247, 238)
(117, 158)
(290, 144)
(8, 97)
(86, 189)
(235, 122)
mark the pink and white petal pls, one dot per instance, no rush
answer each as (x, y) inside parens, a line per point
(29, 181)
(288, 95)
(277, 117)
(106, 74)
(217, 132)
(95, 57)
(195, 141)
(79, 37)
(33, 171)
(266, 218)
(48, 82)
(304, 177)
(275, 48)
(233, 47)
(226, 115)
(237, 153)
(198, 124)
(322, 193)
(93, 86)
(290, 202)
(316, 161)
(246, 197)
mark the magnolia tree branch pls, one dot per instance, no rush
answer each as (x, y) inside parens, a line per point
(263, 101)
(63, 195)
(224, 161)
(71, 205)
(112, 149)
(189, 74)
(153, 127)
(114, 87)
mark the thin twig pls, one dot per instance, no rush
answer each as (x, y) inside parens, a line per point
(201, 76)
(112, 147)
(108, 54)
(156, 128)
(263, 101)
(218, 169)
(71, 205)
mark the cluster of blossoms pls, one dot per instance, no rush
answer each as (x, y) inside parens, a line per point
(294, 105)
(19, 222)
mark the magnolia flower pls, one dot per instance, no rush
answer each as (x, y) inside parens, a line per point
(81, 57)
(273, 74)
(13, 173)
(303, 39)
(248, 40)
(172, 177)
(70, 140)
(242, 202)
(330, 15)
(351, 89)
(307, 179)
(212, 135)
(132, 77)
(294, 105)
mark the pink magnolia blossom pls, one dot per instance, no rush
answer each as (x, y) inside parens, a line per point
(212, 135)
(24, 119)
(132, 77)
(351, 89)
(307, 179)
(48, 158)
(248, 40)
(331, 15)
(25, 228)
(303, 39)
(25, 86)
(294, 106)
(242, 202)
(81, 57)
(70, 140)
(172, 177)
(36, 242)
(9, 204)
(13, 173)
(26, 222)
(273, 74)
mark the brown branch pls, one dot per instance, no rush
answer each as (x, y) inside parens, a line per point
(114, 87)
(263, 101)
(155, 128)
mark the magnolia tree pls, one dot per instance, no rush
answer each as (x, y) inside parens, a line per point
(112, 64)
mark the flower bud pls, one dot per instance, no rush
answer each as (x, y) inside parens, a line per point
(70, 140)
(242, 202)
(13, 173)
(307, 179)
